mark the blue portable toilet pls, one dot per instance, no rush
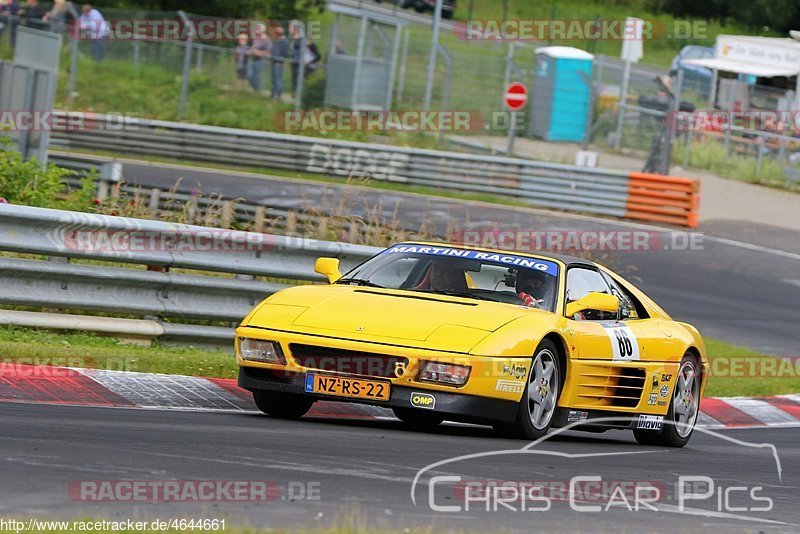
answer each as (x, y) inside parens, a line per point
(560, 104)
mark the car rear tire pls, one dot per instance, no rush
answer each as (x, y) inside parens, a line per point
(418, 419)
(537, 408)
(282, 405)
(683, 410)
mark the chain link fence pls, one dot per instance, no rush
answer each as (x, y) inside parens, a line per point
(159, 78)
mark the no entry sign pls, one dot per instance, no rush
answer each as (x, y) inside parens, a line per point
(516, 96)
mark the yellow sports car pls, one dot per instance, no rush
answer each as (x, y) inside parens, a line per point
(523, 342)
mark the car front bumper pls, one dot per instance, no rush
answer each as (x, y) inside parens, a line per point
(451, 405)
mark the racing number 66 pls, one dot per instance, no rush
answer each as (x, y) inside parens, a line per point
(625, 345)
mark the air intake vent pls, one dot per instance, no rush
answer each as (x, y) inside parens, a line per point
(607, 385)
(345, 361)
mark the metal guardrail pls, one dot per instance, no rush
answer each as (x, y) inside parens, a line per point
(211, 210)
(543, 184)
(157, 292)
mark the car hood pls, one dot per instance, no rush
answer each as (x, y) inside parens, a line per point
(383, 315)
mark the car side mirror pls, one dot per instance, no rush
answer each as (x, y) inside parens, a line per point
(594, 301)
(329, 267)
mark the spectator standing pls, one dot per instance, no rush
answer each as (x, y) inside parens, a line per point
(32, 14)
(311, 56)
(60, 16)
(242, 60)
(9, 10)
(95, 28)
(260, 52)
(280, 52)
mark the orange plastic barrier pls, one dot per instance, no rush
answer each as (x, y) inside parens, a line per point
(663, 199)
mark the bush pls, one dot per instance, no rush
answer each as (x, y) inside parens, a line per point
(314, 90)
(27, 182)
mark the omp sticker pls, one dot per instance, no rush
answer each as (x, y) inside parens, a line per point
(423, 400)
(623, 342)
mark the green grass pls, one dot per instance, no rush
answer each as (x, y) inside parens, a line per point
(40, 347)
(737, 371)
(710, 155)
(31, 346)
(658, 51)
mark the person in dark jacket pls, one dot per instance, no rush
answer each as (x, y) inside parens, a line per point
(32, 14)
(280, 52)
(9, 11)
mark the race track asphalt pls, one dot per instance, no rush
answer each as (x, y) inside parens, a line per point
(743, 285)
(365, 470)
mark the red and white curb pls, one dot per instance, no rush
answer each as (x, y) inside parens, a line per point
(90, 387)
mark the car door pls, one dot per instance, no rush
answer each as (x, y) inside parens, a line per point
(599, 335)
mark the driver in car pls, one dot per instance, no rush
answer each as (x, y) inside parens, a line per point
(447, 277)
(533, 287)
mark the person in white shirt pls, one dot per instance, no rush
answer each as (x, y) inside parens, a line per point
(95, 28)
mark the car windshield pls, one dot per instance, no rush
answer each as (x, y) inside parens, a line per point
(498, 277)
(698, 52)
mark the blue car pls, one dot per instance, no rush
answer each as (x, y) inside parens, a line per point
(694, 77)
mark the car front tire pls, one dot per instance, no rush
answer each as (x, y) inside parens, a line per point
(683, 410)
(282, 405)
(537, 408)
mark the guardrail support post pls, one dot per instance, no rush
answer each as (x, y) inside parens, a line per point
(291, 223)
(152, 206)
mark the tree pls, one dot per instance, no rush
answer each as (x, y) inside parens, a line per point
(271, 9)
(292, 9)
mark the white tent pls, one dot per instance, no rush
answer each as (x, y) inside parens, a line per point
(765, 57)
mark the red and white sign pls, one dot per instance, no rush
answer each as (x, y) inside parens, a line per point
(516, 96)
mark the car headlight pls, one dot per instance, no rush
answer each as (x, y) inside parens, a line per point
(260, 350)
(444, 373)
